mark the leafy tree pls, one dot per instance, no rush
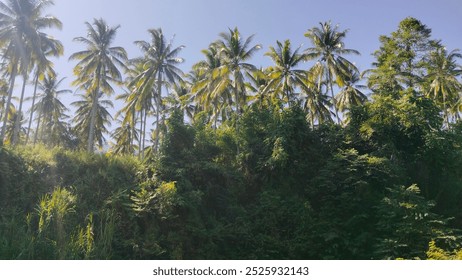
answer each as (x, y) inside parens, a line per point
(401, 58)
(436, 253)
(97, 66)
(408, 224)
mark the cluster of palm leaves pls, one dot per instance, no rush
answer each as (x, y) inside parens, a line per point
(220, 87)
(225, 82)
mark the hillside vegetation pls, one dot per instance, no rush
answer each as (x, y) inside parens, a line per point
(309, 158)
(292, 192)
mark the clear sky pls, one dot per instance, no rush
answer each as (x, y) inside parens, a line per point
(197, 23)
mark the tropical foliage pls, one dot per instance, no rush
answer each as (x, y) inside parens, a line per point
(308, 158)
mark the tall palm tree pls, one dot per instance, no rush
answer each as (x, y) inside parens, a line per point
(129, 114)
(234, 52)
(159, 62)
(51, 111)
(328, 48)
(443, 71)
(315, 101)
(98, 65)
(283, 78)
(211, 91)
(82, 118)
(21, 38)
(42, 68)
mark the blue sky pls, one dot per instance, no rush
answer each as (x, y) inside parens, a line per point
(197, 23)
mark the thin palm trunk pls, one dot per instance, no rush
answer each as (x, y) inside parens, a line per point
(215, 106)
(140, 140)
(446, 118)
(32, 107)
(133, 123)
(17, 124)
(8, 103)
(144, 132)
(37, 128)
(334, 103)
(1, 112)
(43, 127)
(94, 107)
(91, 134)
(238, 111)
(158, 101)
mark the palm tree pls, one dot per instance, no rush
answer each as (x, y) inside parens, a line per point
(443, 71)
(138, 104)
(211, 91)
(13, 117)
(129, 113)
(125, 135)
(82, 118)
(42, 68)
(258, 85)
(314, 101)
(181, 98)
(22, 38)
(97, 66)
(283, 78)
(328, 48)
(3, 96)
(160, 69)
(350, 95)
(234, 52)
(51, 111)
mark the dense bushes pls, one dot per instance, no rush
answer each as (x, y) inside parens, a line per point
(377, 188)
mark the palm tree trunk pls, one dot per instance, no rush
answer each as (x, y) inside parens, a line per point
(140, 140)
(17, 124)
(334, 103)
(45, 123)
(133, 128)
(37, 128)
(158, 101)
(32, 107)
(145, 117)
(91, 134)
(446, 118)
(8, 104)
(238, 111)
(94, 107)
